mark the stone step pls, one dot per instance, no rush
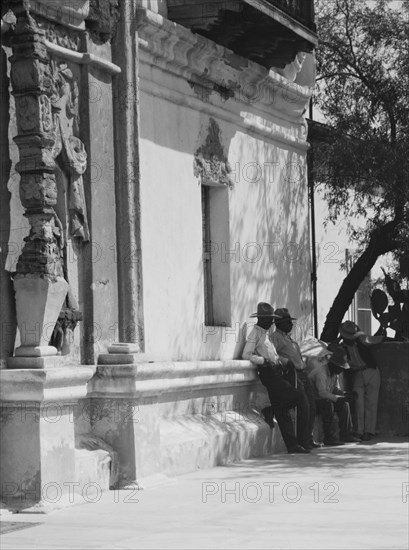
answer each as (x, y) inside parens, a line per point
(192, 442)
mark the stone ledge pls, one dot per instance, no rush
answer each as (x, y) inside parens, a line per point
(21, 362)
(64, 384)
(150, 379)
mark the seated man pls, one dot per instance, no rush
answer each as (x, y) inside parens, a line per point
(333, 403)
(283, 396)
(290, 354)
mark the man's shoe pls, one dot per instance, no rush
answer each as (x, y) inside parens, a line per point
(367, 436)
(298, 450)
(333, 443)
(350, 439)
(312, 446)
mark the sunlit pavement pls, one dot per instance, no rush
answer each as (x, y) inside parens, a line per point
(351, 497)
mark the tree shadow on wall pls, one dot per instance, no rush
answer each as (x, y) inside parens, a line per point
(268, 216)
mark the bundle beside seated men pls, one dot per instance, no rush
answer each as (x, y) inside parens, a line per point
(319, 390)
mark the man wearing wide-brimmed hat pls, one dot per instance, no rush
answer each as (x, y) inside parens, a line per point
(290, 355)
(283, 396)
(366, 379)
(332, 402)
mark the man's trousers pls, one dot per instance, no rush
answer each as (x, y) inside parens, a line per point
(283, 397)
(305, 385)
(336, 417)
(366, 384)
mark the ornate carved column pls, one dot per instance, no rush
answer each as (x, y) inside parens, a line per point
(39, 280)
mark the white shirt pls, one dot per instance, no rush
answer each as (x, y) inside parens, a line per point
(258, 347)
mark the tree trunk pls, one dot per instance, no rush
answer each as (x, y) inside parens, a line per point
(380, 243)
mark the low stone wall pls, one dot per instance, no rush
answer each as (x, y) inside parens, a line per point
(393, 408)
(171, 418)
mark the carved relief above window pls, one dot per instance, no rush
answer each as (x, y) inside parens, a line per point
(210, 162)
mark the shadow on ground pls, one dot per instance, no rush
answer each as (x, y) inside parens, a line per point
(373, 454)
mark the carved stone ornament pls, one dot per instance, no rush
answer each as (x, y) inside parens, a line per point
(31, 81)
(38, 189)
(64, 93)
(291, 70)
(42, 89)
(75, 163)
(103, 18)
(74, 157)
(210, 164)
(62, 36)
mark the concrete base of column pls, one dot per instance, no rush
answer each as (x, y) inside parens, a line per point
(37, 441)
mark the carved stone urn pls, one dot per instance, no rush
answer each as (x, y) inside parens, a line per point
(40, 286)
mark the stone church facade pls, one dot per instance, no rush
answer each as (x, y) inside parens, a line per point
(153, 190)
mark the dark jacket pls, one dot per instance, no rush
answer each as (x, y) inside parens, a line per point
(365, 351)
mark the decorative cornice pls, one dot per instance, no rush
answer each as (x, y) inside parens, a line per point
(176, 49)
(291, 135)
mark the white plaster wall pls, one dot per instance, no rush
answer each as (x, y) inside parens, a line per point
(268, 219)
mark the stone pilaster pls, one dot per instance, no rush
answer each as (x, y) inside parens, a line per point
(39, 279)
(125, 52)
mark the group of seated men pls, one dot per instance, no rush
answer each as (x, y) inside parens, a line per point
(283, 371)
